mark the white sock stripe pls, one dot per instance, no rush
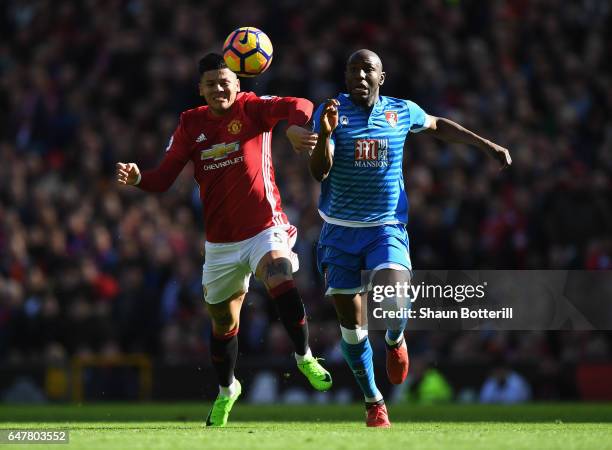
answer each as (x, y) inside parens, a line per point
(378, 398)
(391, 341)
(354, 336)
(300, 358)
(229, 390)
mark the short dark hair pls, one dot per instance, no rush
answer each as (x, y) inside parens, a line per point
(212, 61)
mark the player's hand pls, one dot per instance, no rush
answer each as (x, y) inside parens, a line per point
(127, 173)
(329, 116)
(302, 140)
(500, 153)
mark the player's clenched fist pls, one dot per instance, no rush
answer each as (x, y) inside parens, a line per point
(127, 173)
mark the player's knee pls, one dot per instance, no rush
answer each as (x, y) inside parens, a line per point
(348, 310)
(224, 326)
(348, 320)
(279, 283)
(347, 317)
(276, 290)
(277, 272)
(223, 321)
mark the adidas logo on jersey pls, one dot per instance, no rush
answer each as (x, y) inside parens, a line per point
(201, 138)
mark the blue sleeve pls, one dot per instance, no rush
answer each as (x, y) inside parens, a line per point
(316, 119)
(418, 117)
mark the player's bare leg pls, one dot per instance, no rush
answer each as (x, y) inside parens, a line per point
(225, 317)
(395, 344)
(358, 354)
(275, 271)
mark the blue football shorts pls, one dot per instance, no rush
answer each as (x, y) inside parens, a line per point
(344, 252)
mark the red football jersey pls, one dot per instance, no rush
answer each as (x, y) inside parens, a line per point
(232, 163)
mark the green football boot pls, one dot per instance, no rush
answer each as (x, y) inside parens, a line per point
(217, 417)
(319, 378)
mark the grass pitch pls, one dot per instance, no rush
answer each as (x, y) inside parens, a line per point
(314, 427)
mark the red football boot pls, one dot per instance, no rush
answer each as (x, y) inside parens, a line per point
(376, 416)
(397, 362)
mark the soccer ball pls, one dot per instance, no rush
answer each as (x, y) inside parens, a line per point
(247, 51)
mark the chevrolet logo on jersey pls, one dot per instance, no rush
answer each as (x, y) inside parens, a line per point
(219, 151)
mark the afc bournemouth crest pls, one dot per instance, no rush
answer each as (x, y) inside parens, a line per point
(391, 117)
(234, 127)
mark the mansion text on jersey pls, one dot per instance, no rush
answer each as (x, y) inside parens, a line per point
(371, 153)
(371, 163)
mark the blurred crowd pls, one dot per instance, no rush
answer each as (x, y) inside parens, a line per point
(88, 266)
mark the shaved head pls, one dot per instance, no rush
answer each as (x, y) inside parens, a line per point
(365, 55)
(364, 77)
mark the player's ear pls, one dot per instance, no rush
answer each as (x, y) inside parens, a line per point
(381, 81)
(237, 84)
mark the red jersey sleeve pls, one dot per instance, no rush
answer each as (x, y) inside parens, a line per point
(178, 153)
(270, 110)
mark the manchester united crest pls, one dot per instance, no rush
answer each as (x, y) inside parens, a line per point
(391, 117)
(234, 127)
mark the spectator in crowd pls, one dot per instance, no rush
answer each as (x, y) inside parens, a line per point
(505, 386)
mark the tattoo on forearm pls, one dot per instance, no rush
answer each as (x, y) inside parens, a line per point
(278, 267)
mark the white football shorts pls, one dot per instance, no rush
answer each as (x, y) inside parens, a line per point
(228, 266)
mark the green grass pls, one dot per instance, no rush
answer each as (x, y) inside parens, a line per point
(171, 426)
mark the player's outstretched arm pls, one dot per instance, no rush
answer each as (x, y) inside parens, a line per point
(321, 159)
(156, 180)
(301, 139)
(269, 110)
(450, 131)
